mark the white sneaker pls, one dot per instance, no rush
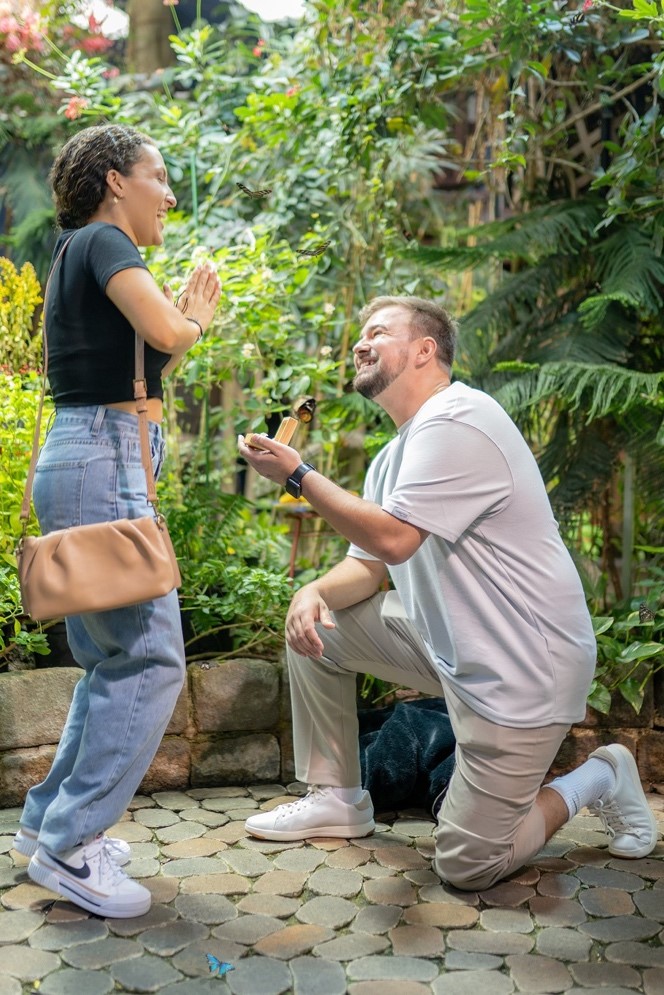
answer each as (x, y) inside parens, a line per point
(88, 877)
(319, 813)
(625, 812)
(26, 842)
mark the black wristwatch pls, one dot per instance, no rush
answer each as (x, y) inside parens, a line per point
(294, 483)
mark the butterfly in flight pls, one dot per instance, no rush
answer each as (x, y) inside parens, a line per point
(577, 18)
(255, 194)
(317, 250)
(646, 614)
(217, 966)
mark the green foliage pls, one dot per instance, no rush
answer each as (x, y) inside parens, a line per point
(19, 398)
(624, 663)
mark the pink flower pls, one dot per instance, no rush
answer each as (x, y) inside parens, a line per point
(292, 91)
(258, 49)
(171, 3)
(97, 43)
(75, 108)
(111, 73)
(587, 4)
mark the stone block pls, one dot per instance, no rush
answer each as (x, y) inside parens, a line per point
(235, 695)
(180, 718)
(650, 756)
(34, 705)
(170, 767)
(238, 760)
(20, 770)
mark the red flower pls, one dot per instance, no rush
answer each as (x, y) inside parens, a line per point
(587, 4)
(258, 50)
(75, 108)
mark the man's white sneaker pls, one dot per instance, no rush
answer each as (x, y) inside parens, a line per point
(625, 812)
(26, 842)
(319, 813)
(88, 877)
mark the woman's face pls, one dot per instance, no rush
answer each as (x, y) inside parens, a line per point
(147, 197)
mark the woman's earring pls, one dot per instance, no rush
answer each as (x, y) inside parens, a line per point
(115, 199)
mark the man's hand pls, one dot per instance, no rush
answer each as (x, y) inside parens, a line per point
(276, 462)
(307, 608)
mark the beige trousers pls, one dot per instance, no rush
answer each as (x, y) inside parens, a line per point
(488, 824)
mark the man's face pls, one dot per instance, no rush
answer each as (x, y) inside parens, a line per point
(382, 353)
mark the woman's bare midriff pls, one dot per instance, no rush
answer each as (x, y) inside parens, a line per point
(155, 408)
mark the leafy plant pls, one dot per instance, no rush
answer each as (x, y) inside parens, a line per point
(624, 663)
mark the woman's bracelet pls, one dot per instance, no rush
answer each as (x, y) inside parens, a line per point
(200, 328)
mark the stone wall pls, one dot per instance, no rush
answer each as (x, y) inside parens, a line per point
(232, 726)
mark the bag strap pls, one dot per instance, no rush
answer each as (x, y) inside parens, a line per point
(140, 396)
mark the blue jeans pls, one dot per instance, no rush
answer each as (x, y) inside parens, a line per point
(89, 470)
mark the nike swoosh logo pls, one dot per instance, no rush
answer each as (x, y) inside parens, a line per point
(78, 872)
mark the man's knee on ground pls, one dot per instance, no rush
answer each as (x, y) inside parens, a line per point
(470, 863)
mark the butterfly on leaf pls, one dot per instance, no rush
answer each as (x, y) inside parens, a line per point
(317, 250)
(646, 614)
(217, 966)
(577, 18)
(255, 194)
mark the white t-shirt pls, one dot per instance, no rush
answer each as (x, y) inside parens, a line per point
(492, 591)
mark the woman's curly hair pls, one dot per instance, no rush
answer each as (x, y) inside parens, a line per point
(78, 176)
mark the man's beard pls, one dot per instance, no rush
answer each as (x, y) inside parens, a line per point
(373, 380)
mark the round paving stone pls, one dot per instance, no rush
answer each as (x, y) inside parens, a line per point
(156, 818)
(413, 827)
(604, 975)
(351, 946)
(443, 914)
(653, 982)
(388, 988)
(188, 866)
(564, 944)
(158, 915)
(299, 860)
(472, 982)
(293, 941)
(101, 953)
(651, 903)
(348, 857)
(314, 976)
(211, 819)
(259, 976)
(558, 885)
(281, 883)
(556, 911)
(10, 986)
(417, 941)
(71, 982)
(269, 905)
(192, 959)
(401, 858)
(247, 862)
(501, 944)
(390, 891)
(392, 969)
(175, 800)
(183, 831)
(604, 877)
(621, 928)
(606, 902)
(446, 894)
(539, 974)
(506, 921)
(335, 881)
(25, 963)
(376, 919)
(460, 960)
(17, 926)
(637, 954)
(68, 934)
(507, 894)
(215, 884)
(327, 911)
(199, 847)
(211, 909)
(261, 792)
(145, 974)
(248, 929)
(168, 940)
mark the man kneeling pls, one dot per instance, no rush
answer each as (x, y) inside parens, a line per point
(455, 510)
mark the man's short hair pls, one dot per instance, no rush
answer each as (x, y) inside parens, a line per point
(426, 318)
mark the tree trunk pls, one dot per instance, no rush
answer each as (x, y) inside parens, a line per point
(150, 24)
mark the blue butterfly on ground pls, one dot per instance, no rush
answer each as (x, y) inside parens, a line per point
(217, 966)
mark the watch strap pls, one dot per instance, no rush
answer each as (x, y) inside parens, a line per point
(294, 483)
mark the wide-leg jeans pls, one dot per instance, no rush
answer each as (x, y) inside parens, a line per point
(90, 470)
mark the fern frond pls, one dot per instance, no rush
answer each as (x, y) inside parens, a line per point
(561, 228)
(600, 390)
(628, 271)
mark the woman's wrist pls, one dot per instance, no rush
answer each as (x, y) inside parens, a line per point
(200, 327)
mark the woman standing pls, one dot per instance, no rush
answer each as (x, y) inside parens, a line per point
(112, 195)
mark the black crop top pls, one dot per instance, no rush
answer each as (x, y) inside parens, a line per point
(90, 342)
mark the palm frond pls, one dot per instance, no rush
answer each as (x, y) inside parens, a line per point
(628, 271)
(599, 390)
